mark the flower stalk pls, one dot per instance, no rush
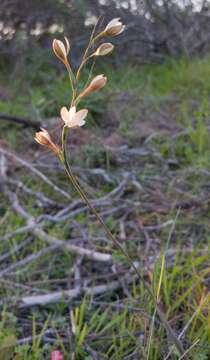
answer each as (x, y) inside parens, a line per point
(85, 198)
(110, 236)
(74, 119)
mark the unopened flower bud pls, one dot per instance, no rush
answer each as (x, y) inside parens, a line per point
(114, 27)
(104, 49)
(95, 85)
(61, 50)
(43, 138)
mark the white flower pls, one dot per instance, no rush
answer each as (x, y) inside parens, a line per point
(72, 118)
(114, 27)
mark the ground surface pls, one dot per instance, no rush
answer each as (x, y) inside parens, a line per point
(144, 160)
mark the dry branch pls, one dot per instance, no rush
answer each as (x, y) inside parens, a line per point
(71, 294)
(21, 121)
(26, 164)
(35, 229)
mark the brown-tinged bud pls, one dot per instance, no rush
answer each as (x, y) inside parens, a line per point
(104, 49)
(114, 27)
(61, 50)
(43, 138)
(96, 84)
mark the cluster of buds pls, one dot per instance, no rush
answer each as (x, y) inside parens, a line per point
(113, 28)
(73, 118)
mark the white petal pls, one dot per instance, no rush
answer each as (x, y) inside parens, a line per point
(81, 115)
(123, 28)
(72, 113)
(75, 123)
(64, 114)
(114, 22)
(45, 133)
(78, 119)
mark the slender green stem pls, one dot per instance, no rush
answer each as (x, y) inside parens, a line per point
(82, 65)
(85, 56)
(83, 195)
(93, 210)
(100, 220)
(97, 37)
(72, 82)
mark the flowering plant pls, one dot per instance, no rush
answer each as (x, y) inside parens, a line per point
(73, 118)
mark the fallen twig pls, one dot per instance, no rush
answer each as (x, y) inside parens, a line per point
(57, 296)
(36, 230)
(21, 121)
(28, 165)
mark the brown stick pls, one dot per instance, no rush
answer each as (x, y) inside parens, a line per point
(21, 121)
